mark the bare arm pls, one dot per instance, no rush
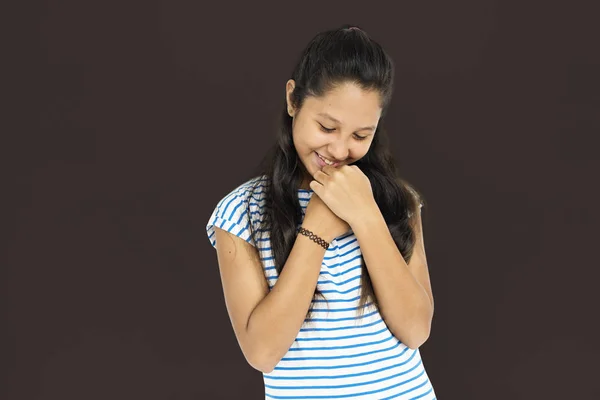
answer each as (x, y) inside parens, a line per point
(403, 291)
(267, 323)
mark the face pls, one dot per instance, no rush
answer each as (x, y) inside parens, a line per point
(338, 127)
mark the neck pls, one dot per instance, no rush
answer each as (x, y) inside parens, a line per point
(305, 183)
(305, 180)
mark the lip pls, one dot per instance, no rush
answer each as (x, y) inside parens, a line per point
(322, 163)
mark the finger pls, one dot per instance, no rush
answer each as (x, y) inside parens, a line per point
(316, 187)
(318, 176)
(328, 169)
(333, 171)
(321, 177)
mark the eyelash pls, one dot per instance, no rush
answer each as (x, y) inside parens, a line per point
(326, 130)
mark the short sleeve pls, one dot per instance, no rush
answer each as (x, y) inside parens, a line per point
(231, 215)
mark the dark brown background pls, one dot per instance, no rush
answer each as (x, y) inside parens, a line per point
(127, 122)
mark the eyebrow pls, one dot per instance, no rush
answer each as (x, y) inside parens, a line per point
(371, 128)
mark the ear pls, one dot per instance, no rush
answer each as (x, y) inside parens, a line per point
(289, 88)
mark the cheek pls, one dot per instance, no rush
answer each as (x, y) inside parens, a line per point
(306, 139)
(298, 137)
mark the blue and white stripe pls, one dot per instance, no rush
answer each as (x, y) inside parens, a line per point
(337, 354)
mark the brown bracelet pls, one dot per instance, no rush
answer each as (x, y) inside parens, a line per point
(314, 237)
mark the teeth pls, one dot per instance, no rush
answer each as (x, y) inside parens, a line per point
(326, 161)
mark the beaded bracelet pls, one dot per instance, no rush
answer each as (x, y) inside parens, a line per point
(314, 237)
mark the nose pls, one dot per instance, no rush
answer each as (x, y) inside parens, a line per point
(339, 150)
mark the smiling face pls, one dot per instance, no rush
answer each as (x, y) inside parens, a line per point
(338, 127)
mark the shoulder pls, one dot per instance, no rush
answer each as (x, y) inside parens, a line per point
(240, 210)
(249, 192)
(252, 190)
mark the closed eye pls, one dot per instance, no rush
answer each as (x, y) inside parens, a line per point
(329, 130)
(326, 129)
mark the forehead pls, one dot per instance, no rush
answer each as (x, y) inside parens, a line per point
(348, 103)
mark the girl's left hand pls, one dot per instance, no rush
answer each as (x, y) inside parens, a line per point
(345, 190)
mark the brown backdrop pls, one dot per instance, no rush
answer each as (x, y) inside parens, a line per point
(127, 121)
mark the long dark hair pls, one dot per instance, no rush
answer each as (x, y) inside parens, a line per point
(331, 58)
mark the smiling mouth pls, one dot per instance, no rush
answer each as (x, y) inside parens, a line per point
(326, 161)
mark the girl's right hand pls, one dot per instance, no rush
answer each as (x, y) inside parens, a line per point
(322, 221)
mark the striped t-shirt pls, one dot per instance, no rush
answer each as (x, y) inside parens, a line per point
(337, 354)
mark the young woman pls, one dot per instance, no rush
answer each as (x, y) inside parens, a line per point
(321, 254)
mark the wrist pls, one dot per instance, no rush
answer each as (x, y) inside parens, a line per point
(317, 231)
(367, 220)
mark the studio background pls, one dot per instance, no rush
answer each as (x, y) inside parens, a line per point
(126, 122)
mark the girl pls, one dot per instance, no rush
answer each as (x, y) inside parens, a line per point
(321, 254)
